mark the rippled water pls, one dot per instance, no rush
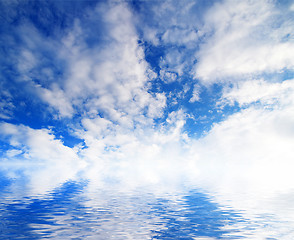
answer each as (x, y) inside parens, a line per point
(79, 210)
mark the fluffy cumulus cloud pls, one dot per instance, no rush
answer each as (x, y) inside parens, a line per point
(125, 82)
(100, 82)
(246, 160)
(82, 70)
(37, 153)
(131, 160)
(245, 38)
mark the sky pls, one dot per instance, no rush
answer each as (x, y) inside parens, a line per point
(148, 92)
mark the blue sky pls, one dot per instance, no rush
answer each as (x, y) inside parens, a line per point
(146, 92)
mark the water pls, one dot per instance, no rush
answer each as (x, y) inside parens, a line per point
(85, 210)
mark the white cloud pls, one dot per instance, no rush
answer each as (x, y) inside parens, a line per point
(173, 61)
(253, 91)
(6, 103)
(180, 37)
(57, 99)
(41, 143)
(37, 64)
(45, 160)
(245, 161)
(168, 77)
(244, 41)
(171, 25)
(27, 61)
(107, 77)
(110, 153)
(150, 35)
(112, 77)
(13, 152)
(223, 41)
(173, 21)
(195, 94)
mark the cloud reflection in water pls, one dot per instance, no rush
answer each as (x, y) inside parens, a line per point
(74, 210)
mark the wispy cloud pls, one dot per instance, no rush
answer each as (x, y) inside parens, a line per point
(244, 39)
(259, 91)
(6, 103)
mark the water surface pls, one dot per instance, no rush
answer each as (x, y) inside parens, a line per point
(74, 210)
